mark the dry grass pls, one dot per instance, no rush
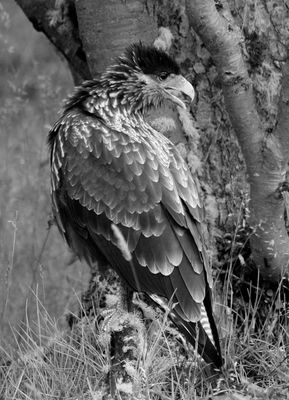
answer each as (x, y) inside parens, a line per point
(73, 364)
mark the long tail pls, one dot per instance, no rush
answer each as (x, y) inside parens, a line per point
(194, 332)
(202, 334)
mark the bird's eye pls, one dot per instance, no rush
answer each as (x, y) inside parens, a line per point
(163, 75)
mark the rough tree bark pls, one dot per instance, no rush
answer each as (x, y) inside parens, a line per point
(265, 155)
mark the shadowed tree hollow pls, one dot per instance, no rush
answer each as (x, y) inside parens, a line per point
(236, 138)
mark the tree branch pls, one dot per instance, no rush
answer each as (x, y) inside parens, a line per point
(281, 130)
(58, 21)
(222, 39)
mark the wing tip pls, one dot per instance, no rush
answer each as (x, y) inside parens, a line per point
(195, 332)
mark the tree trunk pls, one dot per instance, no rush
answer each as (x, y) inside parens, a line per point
(108, 27)
(264, 160)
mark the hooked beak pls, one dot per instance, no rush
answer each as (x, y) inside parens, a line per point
(177, 86)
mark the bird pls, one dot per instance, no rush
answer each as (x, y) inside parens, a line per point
(113, 174)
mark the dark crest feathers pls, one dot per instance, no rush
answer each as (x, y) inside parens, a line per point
(149, 60)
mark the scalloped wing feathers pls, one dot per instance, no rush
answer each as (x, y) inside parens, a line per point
(125, 173)
(136, 179)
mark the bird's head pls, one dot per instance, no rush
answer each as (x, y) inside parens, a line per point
(144, 78)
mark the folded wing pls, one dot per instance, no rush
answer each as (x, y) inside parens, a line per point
(135, 179)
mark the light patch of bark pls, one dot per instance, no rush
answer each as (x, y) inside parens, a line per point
(164, 39)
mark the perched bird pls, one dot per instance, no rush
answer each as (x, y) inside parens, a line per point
(113, 173)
